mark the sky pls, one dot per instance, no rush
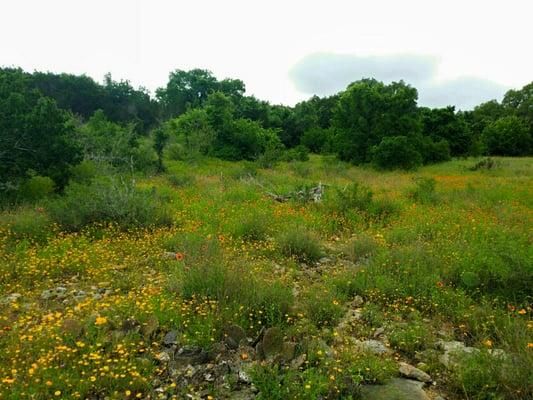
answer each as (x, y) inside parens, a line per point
(455, 52)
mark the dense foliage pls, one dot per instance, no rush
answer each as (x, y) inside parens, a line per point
(50, 122)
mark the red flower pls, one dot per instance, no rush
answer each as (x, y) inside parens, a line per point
(180, 256)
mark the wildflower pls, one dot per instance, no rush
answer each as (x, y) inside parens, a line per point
(522, 311)
(128, 392)
(308, 386)
(100, 321)
(180, 256)
(57, 393)
(488, 343)
(440, 284)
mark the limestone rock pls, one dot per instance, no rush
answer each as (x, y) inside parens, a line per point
(233, 336)
(413, 373)
(372, 346)
(395, 389)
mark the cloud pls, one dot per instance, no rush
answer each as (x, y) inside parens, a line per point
(327, 73)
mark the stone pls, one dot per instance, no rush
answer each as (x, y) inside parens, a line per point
(80, 295)
(325, 260)
(233, 335)
(171, 338)
(271, 344)
(168, 255)
(357, 301)
(298, 362)
(162, 357)
(395, 389)
(130, 325)
(150, 326)
(47, 294)
(413, 373)
(243, 377)
(11, 298)
(372, 346)
(378, 332)
(191, 355)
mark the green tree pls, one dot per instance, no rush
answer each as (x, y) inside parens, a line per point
(444, 124)
(396, 152)
(508, 136)
(368, 111)
(34, 134)
(160, 141)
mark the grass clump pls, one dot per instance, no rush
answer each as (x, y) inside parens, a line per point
(361, 247)
(323, 306)
(108, 200)
(300, 244)
(27, 224)
(252, 227)
(181, 180)
(410, 337)
(424, 191)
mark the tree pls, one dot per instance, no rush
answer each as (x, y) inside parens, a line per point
(34, 134)
(396, 152)
(520, 102)
(193, 131)
(160, 140)
(190, 89)
(508, 136)
(444, 124)
(368, 111)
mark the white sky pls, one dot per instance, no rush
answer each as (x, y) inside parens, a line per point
(261, 41)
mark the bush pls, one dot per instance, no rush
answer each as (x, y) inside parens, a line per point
(37, 187)
(28, 224)
(300, 244)
(298, 153)
(181, 180)
(84, 172)
(396, 152)
(108, 201)
(251, 227)
(410, 337)
(206, 274)
(322, 306)
(424, 191)
(362, 246)
(352, 197)
(508, 136)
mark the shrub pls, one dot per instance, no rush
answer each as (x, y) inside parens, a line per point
(108, 201)
(84, 172)
(352, 197)
(206, 274)
(181, 180)
(28, 224)
(410, 337)
(396, 152)
(322, 306)
(485, 164)
(252, 227)
(298, 153)
(424, 191)
(37, 187)
(508, 136)
(362, 246)
(300, 244)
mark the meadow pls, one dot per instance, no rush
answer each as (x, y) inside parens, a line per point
(292, 299)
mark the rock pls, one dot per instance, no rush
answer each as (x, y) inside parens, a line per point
(150, 327)
(243, 377)
(395, 389)
(191, 355)
(171, 338)
(168, 255)
(372, 346)
(11, 298)
(80, 295)
(357, 301)
(298, 362)
(378, 332)
(453, 351)
(413, 373)
(47, 294)
(234, 334)
(325, 260)
(72, 327)
(162, 357)
(130, 325)
(271, 344)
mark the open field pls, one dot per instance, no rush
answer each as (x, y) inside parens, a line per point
(346, 288)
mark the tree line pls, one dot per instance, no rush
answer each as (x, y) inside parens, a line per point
(55, 125)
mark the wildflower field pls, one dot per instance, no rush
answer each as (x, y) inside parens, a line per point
(332, 297)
